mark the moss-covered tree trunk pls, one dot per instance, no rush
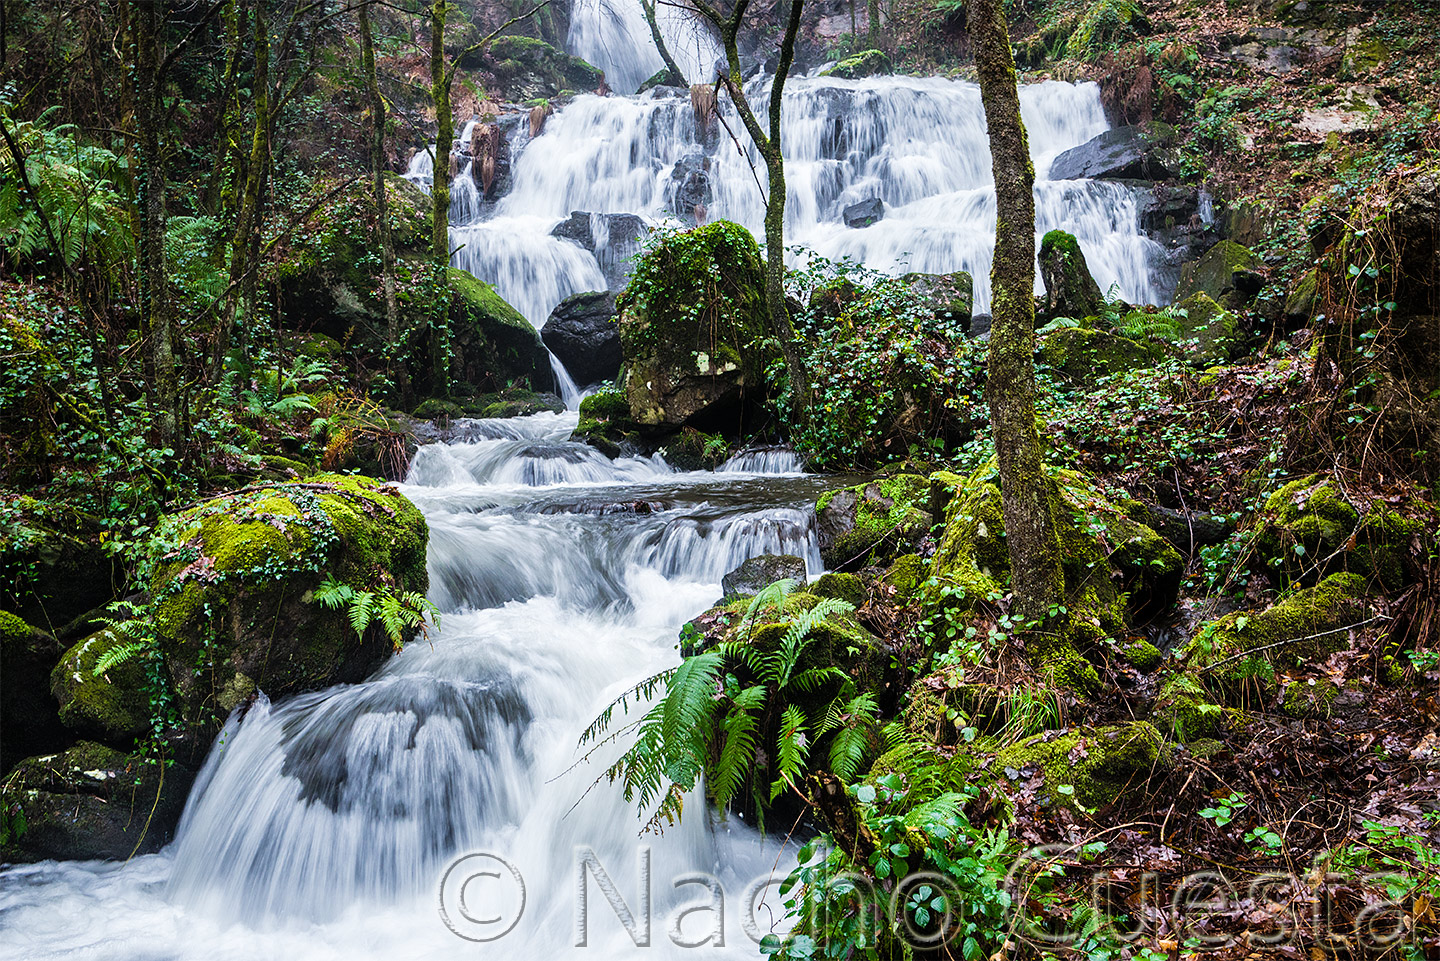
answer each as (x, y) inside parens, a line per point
(147, 20)
(1026, 493)
(440, 204)
(768, 143)
(677, 76)
(382, 198)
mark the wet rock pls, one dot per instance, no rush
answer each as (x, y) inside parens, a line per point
(1140, 152)
(1070, 290)
(91, 802)
(112, 705)
(867, 63)
(614, 239)
(758, 573)
(584, 334)
(690, 188)
(492, 346)
(863, 214)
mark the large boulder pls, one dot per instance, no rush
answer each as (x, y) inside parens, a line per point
(28, 717)
(1082, 353)
(864, 213)
(1229, 274)
(872, 523)
(614, 239)
(233, 591)
(582, 331)
(110, 703)
(1070, 290)
(54, 569)
(1139, 152)
(1210, 330)
(90, 802)
(690, 191)
(951, 297)
(760, 572)
(492, 345)
(693, 330)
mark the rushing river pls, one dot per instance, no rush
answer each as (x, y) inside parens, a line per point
(321, 825)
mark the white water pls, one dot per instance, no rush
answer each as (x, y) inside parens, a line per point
(917, 144)
(321, 825)
(614, 36)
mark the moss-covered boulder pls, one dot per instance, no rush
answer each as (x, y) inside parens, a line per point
(234, 606)
(1091, 767)
(1070, 290)
(1186, 711)
(112, 705)
(28, 412)
(1082, 353)
(1235, 657)
(53, 566)
(872, 523)
(492, 343)
(866, 63)
(1310, 527)
(28, 718)
(90, 802)
(530, 69)
(1231, 275)
(606, 424)
(905, 575)
(1114, 566)
(843, 587)
(1300, 304)
(1211, 333)
(693, 330)
(951, 296)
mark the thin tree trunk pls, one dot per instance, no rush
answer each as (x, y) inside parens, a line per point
(872, 12)
(677, 76)
(440, 204)
(148, 20)
(382, 200)
(225, 139)
(1037, 577)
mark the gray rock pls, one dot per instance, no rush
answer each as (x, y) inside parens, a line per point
(758, 573)
(865, 213)
(614, 239)
(583, 333)
(691, 193)
(1140, 152)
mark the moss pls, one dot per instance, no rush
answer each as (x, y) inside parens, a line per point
(844, 587)
(906, 574)
(1308, 698)
(1099, 764)
(1070, 290)
(867, 63)
(236, 598)
(437, 408)
(115, 706)
(1237, 654)
(890, 516)
(1186, 710)
(1300, 304)
(1363, 55)
(1214, 329)
(13, 630)
(1141, 654)
(1082, 354)
(1227, 273)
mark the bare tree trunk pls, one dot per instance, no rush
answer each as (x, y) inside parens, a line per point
(382, 199)
(440, 204)
(677, 76)
(1027, 494)
(148, 20)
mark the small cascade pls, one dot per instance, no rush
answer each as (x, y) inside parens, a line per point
(767, 460)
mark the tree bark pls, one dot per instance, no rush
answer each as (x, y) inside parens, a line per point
(148, 19)
(677, 76)
(1037, 577)
(440, 204)
(382, 199)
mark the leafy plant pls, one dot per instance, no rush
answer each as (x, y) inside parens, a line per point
(396, 611)
(1225, 810)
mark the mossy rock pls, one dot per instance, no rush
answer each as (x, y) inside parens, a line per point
(843, 587)
(906, 574)
(1082, 354)
(1231, 275)
(1235, 657)
(1115, 567)
(867, 63)
(872, 523)
(605, 423)
(493, 343)
(692, 449)
(113, 706)
(438, 408)
(279, 467)
(1309, 698)
(1364, 54)
(28, 716)
(1099, 765)
(90, 802)
(1141, 654)
(1214, 330)
(234, 609)
(1070, 290)
(28, 411)
(1300, 304)
(1186, 711)
(53, 566)
(530, 69)
(693, 330)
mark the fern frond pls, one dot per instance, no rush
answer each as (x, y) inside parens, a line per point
(793, 745)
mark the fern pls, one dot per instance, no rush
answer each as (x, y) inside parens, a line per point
(395, 610)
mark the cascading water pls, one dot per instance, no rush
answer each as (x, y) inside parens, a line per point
(918, 145)
(321, 825)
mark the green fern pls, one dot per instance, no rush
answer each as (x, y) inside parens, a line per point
(395, 610)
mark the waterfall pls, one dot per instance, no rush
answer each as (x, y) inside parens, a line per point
(916, 144)
(614, 36)
(321, 825)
